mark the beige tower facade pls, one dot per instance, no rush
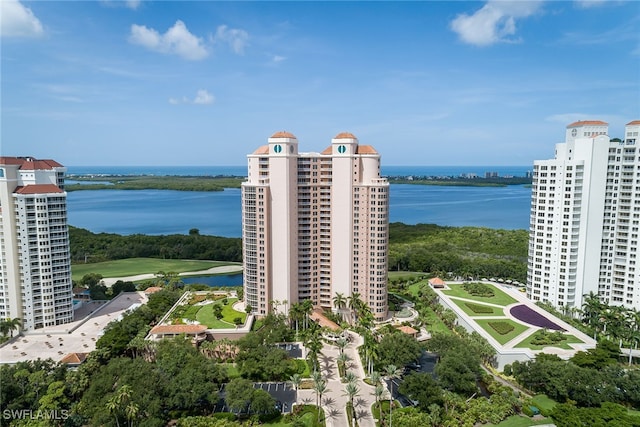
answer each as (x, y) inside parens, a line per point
(314, 225)
(35, 267)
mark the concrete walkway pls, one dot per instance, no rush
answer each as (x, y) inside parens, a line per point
(108, 281)
(334, 401)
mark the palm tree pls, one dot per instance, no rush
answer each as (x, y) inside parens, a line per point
(15, 323)
(375, 378)
(592, 309)
(307, 308)
(342, 343)
(379, 394)
(295, 380)
(114, 407)
(343, 359)
(351, 390)
(392, 372)
(370, 350)
(354, 302)
(314, 345)
(320, 387)
(131, 411)
(350, 377)
(4, 327)
(340, 303)
(295, 313)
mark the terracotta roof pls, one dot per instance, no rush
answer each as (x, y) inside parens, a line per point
(178, 329)
(436, 281)
(345, 135)
(74, 358)
(10, 161)
(327, 150)
(634, 123)
(407, 330)
(152, 289)
(587, 123)
(283, 134)
(365, 149)
(317, 316)
(39, 189)
(29, 163)
(262, 150)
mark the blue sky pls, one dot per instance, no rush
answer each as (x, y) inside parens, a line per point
(205, 83)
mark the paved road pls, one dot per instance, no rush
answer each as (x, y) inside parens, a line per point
(334, 402)
(108, 281)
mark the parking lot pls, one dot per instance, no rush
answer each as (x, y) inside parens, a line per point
(283, 393)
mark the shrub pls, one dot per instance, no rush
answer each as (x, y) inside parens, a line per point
(527, 411)
(478, 289)
(224, 416)
(544, 337)
(502, 328)
(477, 308)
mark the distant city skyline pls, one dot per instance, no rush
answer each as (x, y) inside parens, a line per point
(201, 83)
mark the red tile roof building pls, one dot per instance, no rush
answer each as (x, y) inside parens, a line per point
(35, 271)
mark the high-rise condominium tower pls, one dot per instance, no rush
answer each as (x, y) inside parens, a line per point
(315, 225)
(585, 218)
(35, 268)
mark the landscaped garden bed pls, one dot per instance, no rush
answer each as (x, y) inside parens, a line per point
(544, 338)
(502, 338)
(477, 309)
(214, 310)
(527, 315)
(498, 298)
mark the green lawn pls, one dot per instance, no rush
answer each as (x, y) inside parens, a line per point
(502, 339)
(544, 403)
(463, 305)
(521, 421)
(135, 266)
(433, 323)
(206, 317)
(499, 297)
(526, 343)
(404, 275)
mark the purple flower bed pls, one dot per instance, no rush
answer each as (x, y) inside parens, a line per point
(527, 315)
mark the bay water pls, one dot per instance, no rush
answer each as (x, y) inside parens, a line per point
(218, 213)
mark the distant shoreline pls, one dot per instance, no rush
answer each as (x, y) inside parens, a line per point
(220, 182)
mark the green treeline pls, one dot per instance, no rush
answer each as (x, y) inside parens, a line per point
(465, 251)
(107, 246)
(180, 183)
(462, 182)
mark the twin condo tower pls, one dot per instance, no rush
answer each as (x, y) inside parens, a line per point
(315, 225)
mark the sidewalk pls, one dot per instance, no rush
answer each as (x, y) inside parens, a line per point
(334, 401)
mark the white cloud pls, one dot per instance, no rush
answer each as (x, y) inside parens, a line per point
(587, 4)
(236, 38)
(17, 20)
(133, 4)
(177, 40)
(495, 22)
(278, 58)
(203, 97)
